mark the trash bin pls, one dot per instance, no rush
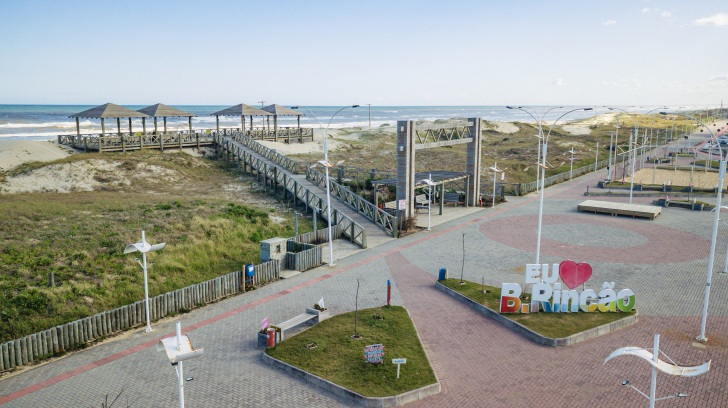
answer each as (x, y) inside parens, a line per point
(270, 340)
(443, 274)
(249, 273)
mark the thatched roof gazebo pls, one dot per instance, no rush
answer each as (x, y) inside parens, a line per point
(108, 111)
(278, 110)
(241, 110)
(163, 111)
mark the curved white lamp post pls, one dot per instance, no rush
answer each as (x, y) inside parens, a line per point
(325, 162)
(143, 246)
(179, 349)
(714, 239)
(725, 267)
(653, 359)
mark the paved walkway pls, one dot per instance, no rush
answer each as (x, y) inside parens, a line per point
(479, 362)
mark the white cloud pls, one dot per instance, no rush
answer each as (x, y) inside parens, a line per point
(719, 19)
(645, 10)
(723, 77)
(608, 22)
(666, 14)
(558, 82)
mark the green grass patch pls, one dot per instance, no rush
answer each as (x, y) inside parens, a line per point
(80, 237)
(340, 359)
(553, 325)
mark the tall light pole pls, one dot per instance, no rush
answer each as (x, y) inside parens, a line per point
(571, 168)
(609, 167)
(429, 183)
(143, 246)
(496, 170)
(326, 165)
(543, 175)
(714, 239)
(179, 349)
(540, 129)
(636, 135)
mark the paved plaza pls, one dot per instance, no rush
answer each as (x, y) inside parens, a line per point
(478, 361)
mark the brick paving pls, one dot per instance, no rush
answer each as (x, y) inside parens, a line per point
(479, 362)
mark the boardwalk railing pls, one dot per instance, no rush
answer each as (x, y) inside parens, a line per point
(525, 188)
(73, 335)
(274, 176)
(373, 213)
(270, 154)
(123, 141)
(302, 257)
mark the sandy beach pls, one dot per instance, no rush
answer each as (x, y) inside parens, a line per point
(16, 152)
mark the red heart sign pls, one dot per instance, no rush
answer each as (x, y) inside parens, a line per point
(574, 274)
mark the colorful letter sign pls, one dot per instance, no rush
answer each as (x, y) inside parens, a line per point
(374, 354)
(548, 295)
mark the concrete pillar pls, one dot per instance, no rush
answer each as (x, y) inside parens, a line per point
(473, 162)
(189, 123)
(118, 126)
(405, 166)
(144, 126)
(155, 125)
(78, 128)
(165, 124)
(217, 123)
(103, 128)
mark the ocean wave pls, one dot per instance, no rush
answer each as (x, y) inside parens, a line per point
(43, 124)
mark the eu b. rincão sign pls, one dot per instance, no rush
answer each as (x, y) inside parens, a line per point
(549, 296)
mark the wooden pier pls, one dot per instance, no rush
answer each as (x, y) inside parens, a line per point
(122, 142)
(614, 209)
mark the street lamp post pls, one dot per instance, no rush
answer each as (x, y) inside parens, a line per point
(540, 129)
(326, 165)
(143, 246)
(636, 135)
(543, 175)
(714, 238)
(496, 170)
(429, 183)
(609, 167)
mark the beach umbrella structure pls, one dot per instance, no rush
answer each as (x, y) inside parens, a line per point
(278, 110)
(163, 111)
(241, 110)
(108, 111)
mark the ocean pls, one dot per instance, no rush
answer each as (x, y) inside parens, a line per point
(42, 122)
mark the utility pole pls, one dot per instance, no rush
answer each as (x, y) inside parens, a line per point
(261, 103)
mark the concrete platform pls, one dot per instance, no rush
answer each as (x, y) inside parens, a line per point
(614, 209)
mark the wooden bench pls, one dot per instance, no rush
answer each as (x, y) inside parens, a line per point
(421, 202)
(452, 198)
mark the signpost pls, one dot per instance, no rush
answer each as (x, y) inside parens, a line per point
(399, 361)
(374, 354)
(402, 204)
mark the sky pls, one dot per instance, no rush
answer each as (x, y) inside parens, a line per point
(387, 53)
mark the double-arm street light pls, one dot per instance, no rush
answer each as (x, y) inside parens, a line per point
(714, 239)
(540, 130)
(326, 164)
(542, 165)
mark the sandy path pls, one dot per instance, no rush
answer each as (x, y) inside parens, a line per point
(677, 178)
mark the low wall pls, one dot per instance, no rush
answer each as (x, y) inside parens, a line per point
(74, 335)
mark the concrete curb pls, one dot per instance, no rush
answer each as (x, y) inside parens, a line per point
(532, 335)
(377, 402)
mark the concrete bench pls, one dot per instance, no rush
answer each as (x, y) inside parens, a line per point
(310, 318)
(452, 198)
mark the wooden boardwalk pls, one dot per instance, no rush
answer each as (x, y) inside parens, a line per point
(630, 210)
